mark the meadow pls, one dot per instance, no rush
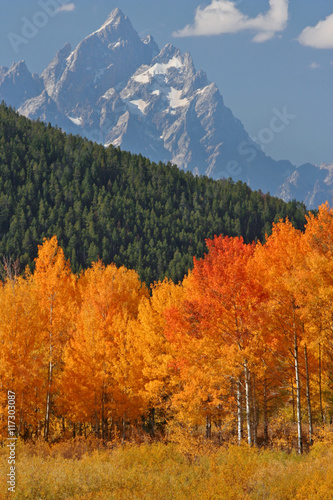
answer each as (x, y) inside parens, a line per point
(84, 469)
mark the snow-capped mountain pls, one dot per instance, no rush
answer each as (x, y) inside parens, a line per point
(116, 88)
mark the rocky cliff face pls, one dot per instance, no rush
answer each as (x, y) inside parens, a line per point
(17, 84)
(116, 88)
(311, 184)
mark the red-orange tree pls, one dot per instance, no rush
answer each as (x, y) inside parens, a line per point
(214, 329)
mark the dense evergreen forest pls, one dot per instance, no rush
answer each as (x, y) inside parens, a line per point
(109, 204)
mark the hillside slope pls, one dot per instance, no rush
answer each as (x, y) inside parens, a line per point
(103, 202)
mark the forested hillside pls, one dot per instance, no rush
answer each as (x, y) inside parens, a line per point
(109, 204)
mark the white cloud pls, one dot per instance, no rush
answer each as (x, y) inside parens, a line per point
(314, 65)
(319, 36)
(222, 16)
(67, 7)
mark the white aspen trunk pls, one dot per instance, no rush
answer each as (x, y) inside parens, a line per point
(320, 387)
(50, 374)
(248, 404)
(265, 413)
(239, 413)
(298, 399)
(308, 396)
(48, 395)
(255, 409)
(293, 398)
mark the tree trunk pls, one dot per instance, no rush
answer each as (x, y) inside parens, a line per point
(308, 398)
(208, 427)
(298, 399)
(248, 404)
(124, 428)
(103, 415)
(50, 375)
(96, 418)
(265, 413)
(239, 413)
(48, 396)
(320, 388)
(254, 411)
(293, 398)
(152, 421)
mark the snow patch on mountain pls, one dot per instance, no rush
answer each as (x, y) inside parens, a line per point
(76, 121)
(175, 98)
(157, 69)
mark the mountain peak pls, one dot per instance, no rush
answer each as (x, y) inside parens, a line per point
(19, 66)
(168, 52)
(115, 19)
(115, 16)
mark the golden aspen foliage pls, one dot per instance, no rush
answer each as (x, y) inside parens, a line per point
(54, 286)
(97, 381)
(154, 351)
(278, 263)
(241, 349)
(317, 306)
(21, 354)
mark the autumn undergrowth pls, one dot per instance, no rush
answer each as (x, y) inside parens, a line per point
(85, 470)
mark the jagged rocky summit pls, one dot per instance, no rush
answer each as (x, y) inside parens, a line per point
(115, 88)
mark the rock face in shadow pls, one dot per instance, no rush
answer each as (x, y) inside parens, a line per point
(311, 184)
(17, 84)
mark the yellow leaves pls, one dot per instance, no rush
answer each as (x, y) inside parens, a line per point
(51, 259)
(221, 345)
(153, 349)
(65, 341)
(54, 285)
(98, 359)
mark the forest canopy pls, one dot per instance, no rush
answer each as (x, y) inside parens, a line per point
(109, 204)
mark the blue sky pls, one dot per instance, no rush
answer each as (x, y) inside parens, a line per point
(264, 55)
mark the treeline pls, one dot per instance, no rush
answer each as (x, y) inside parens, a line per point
(242, 348)
(109, 204)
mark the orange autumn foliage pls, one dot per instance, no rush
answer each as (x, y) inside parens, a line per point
(98, 381)
(242, 348)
